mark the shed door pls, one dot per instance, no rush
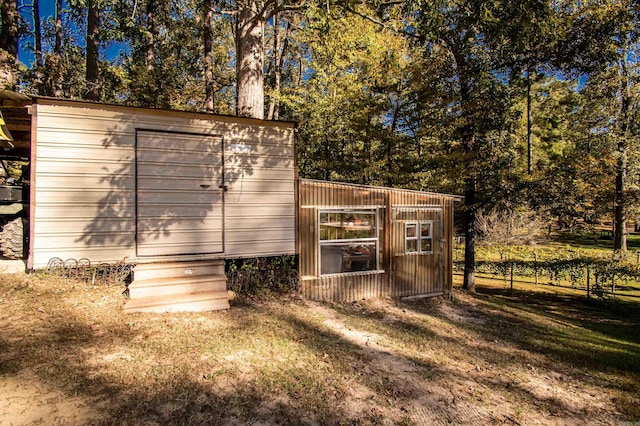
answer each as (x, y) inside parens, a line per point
(179, 199)
(417, 247)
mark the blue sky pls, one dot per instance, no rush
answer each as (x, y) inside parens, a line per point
(47, 10)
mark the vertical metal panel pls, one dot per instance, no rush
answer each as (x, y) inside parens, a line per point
(179, 202)
(32, 181)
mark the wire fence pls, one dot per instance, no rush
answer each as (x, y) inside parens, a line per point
(599, 276)
(94, 273)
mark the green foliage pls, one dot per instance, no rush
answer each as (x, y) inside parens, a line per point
(422, 95)
(557, 264)
(258, 275)
(349, 99)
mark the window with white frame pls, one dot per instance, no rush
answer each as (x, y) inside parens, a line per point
(348, 240)
(418, 237)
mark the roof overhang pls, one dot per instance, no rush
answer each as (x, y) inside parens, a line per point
(15, 125)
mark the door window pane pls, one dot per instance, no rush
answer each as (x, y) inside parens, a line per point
(410, 230)
(425, 229)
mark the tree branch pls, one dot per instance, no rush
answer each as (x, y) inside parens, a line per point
(381, 23)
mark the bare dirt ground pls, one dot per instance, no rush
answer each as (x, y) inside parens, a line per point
(69, 356)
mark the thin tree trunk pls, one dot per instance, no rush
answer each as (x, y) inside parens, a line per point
(250, 60)
(470, 212)
(276, 67)
(150, 48)
(57, 53)
(9, 44)
(208, 57)
(620, 202)
(278, 59)
(620, 216)
(57, 47)
(151, 91)
(529, 123)
(470, 181)
(389, 146)
(92, 92)
(37, 33)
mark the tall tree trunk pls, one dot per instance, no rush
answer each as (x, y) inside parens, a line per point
(276, 67)
(57, 52)
(150, 48)
(37, 41)
(389, 175)
(151, 93)
(470, 181)
(9, 44)
(279, 55)
(250, 59)
(620, 203)
(470, 231)
(92, 92)
(620, 215)
(209, 82)
(37, 33)
(529, 125)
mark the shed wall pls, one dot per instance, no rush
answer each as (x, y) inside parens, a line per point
(315, 195)
(84, 169)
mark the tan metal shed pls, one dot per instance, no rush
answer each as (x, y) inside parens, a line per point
(357, 241)
(111, 183)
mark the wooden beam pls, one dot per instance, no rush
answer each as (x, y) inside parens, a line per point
(19, 127)
(15, 104)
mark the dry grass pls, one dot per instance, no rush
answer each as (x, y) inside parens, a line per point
(69, 356)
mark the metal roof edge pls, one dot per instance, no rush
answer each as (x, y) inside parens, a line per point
(14, 96)
(11, 95)
(357, 185)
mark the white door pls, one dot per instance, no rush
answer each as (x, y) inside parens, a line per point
(180, 204)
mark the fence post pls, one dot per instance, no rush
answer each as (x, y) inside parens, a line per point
(511, 277)
(535, 266)
(588, 278)
(613, 282)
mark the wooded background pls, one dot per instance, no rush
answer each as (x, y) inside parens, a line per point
(520, 105)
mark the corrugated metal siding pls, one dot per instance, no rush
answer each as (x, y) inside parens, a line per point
(85, 174)
(426, 277)
(417, 273)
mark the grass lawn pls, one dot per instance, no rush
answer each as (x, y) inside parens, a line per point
(597, 241)
(68, 355)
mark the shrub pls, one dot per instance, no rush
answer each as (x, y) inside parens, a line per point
(252, 276)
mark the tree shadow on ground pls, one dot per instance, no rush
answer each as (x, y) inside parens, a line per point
(571, 338)
(317, 388)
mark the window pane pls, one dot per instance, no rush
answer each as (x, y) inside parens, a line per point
(359, 225)
(411, 246)
(425, 245)
(347, 225)
(339, 258)
(425, 229)
(410, 231)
